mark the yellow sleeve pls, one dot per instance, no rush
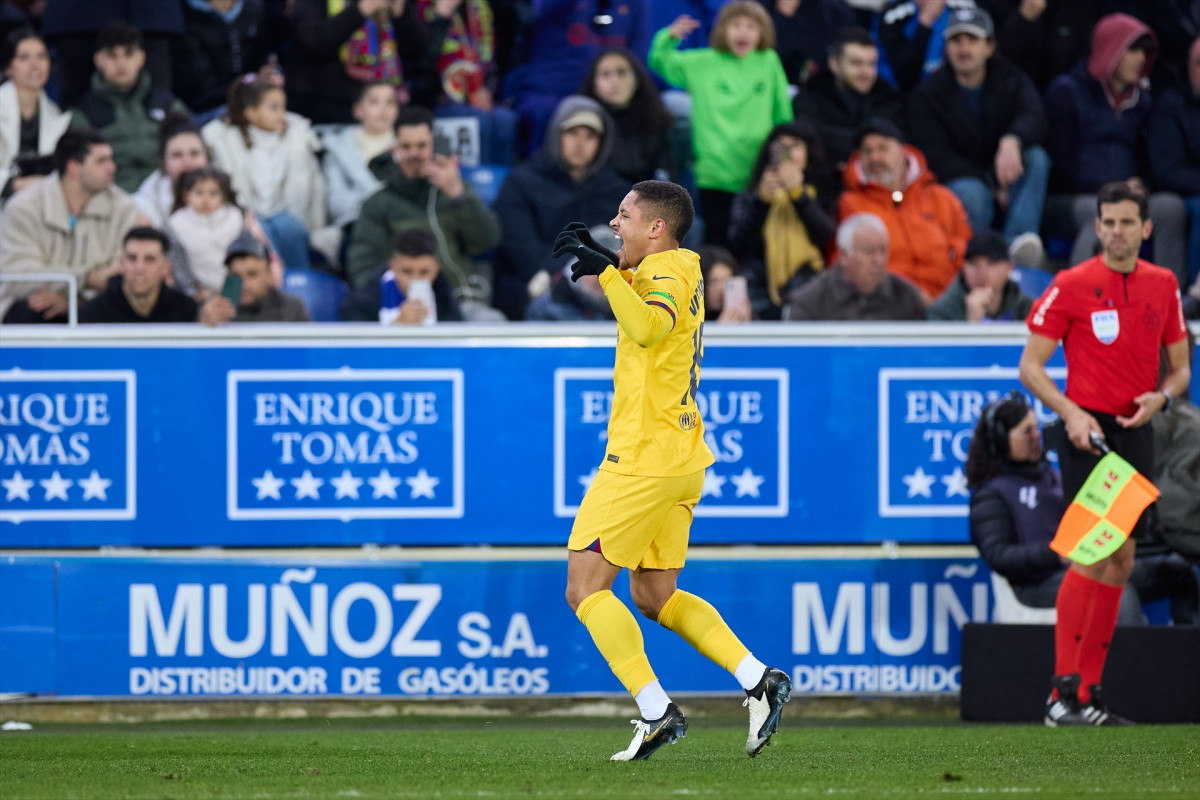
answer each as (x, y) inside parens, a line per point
(643, 321)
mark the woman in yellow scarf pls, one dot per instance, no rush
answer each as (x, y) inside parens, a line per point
(780, 225)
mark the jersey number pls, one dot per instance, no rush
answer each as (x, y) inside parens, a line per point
(694, 372)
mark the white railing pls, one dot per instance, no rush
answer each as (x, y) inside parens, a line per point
(51, 277)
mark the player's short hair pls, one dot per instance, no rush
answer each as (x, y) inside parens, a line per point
(74, 145)
(669, 202)
(410, 116)
(144, 233)
(1117, 191)
(850, 35)
(119, 34)
(415, 244)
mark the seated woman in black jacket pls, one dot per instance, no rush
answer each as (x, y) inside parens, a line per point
(644, 147)
(780, 226)
(1016, 504)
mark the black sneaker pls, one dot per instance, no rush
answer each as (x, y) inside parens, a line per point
(648, 735)
(1097, 713)
(765, 702)
(1064, 710)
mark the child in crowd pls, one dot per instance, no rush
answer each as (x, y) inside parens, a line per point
(122, 105)
(271, 155)
(180, 150)
(642, 147)
(206, 221)
(348, 150)
(739, 93)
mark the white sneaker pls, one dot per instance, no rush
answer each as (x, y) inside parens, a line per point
(765, 702)
(649, 735)
(1027, 251)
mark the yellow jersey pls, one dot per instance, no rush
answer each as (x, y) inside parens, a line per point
(654, 428)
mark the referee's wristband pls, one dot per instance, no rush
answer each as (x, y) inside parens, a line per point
(1168, 401)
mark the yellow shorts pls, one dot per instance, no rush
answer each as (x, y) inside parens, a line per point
(639, 522)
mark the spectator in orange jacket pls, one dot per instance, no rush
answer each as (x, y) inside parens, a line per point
(927, 226)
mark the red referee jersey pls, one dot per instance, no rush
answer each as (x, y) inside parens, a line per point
(1111, 326)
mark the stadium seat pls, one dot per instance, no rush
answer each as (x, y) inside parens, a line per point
(486, 179)
(321, 292)
(1033, 281)
(1008, 610)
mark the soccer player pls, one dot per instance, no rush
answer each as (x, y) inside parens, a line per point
(637, 512)
(1112, 312)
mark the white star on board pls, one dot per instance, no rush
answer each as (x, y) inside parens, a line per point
(586, 480)
(56, 486)
(384, 485)
(307, 486)
(346, 485)
(712, 484)
(919, 483)
(18, 486)
(95, 487)
(956, 483)
(747, 483)
(422, 484)
(268, 486)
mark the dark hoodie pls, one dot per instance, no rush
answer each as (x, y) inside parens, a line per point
(839, 111)
(1096, 137)
(539, 198)
(1013, 538)
(952, 305)
(467, 226)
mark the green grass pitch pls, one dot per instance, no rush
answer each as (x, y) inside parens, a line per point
(523, 757)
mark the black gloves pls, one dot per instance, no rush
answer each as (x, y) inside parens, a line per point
(585, 236)
(592, 259)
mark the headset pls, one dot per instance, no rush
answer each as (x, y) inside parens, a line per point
(994, 432)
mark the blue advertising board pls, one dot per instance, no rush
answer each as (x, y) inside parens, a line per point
(182, 437)
(175, 627)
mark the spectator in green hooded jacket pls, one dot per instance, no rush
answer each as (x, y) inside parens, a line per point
(123, 106)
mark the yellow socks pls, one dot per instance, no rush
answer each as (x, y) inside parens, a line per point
(619, 639)
(701, 626)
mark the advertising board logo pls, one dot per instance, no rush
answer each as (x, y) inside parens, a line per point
(892, 628)
(926, 419)
(745, 416)
(345, 444)
(68, 445)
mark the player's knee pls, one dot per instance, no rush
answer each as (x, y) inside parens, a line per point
(647, 601)
(574, 596)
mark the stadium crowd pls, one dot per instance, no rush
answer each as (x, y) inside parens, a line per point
(851, 159)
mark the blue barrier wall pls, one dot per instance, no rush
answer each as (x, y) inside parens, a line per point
(179, 437)
(310, 627)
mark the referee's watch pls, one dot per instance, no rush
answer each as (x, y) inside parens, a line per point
(1168, 401)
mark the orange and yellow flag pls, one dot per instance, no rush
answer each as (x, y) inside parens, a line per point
(1103, 514)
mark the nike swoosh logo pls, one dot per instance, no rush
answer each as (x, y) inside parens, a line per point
(663, 278)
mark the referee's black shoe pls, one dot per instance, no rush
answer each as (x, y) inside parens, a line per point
(649, 735)
(1065, 710)
(1097, 713)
